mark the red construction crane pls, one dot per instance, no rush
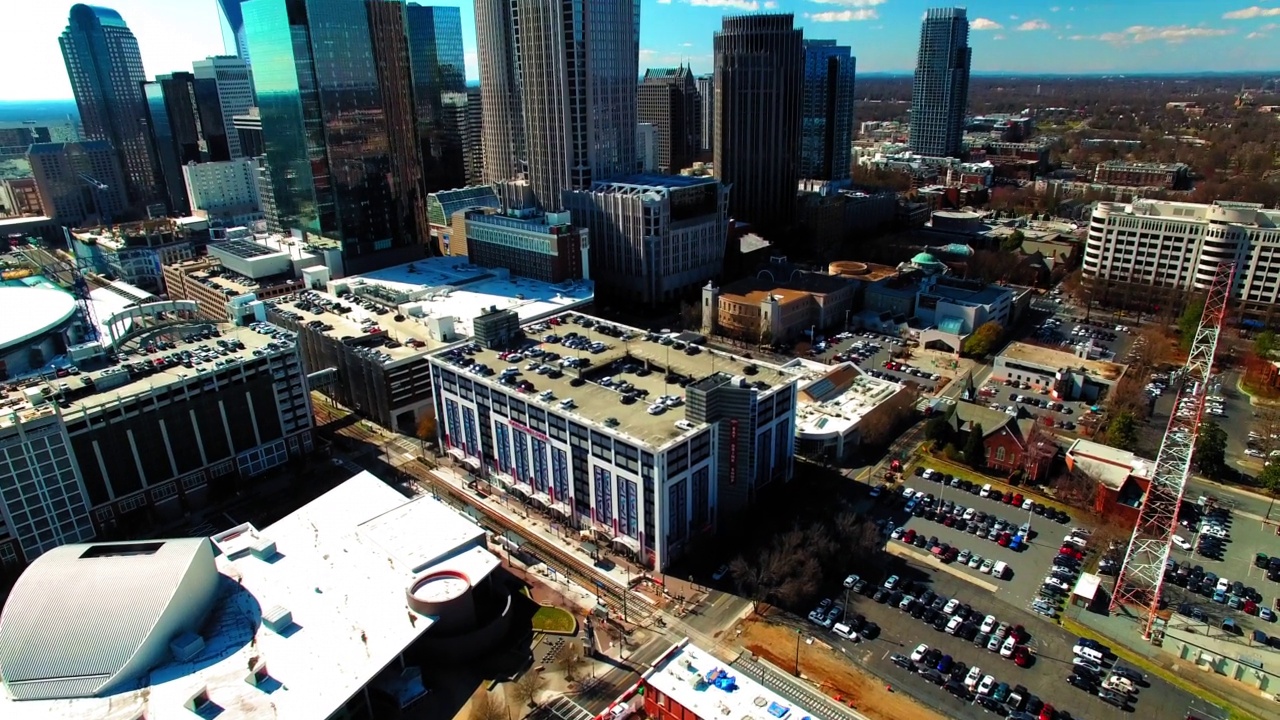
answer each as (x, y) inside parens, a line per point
(1142, 574)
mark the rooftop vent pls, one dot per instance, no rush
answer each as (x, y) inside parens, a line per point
(186, 646)
(277, 619)
(263, 548)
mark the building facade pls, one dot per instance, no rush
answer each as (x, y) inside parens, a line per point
(441, 211)
(231, 18)
(14, 141)
(940, 90)
(646, 147)
(1168, 176)
(576, 64)
(668, 99)
(1178, 246)
(334, 94)
(707, 112)
(136, 252)
(548, 248)
(439, 77)
(759, 86)
(105, 68)
(60, 171)
(184, 116)
(503, 139)
(233, 83)
(654, 238)
(826, 136)
(224, 191)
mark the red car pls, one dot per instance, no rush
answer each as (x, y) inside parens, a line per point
(1071, 552)
(908, 536)
(1047, 712)
(1004, 539)
(1020, 633)
(951, 520)
(1017, 500)
(1022, 657)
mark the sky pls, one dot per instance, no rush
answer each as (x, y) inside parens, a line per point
(1023, 36)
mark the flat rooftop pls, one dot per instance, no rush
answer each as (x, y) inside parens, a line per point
(711, 688)
(839, 399)
(454, 289)
(596, 403)
(341, 568)
(1051, 359)
(985, 295)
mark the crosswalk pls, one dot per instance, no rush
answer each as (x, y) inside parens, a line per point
(561, 708)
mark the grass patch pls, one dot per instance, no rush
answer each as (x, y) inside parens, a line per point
(966, 473)
(554, 621)
(1147, 665)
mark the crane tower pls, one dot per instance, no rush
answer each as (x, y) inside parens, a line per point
(1142, 574)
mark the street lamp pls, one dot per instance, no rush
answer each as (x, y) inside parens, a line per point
(799, 634)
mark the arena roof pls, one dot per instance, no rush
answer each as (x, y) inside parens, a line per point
(42, 309)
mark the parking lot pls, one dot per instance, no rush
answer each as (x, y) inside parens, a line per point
(871, 351)
(1032, 403)
(1069, 333)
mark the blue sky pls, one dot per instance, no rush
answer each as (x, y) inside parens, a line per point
(1028, 36)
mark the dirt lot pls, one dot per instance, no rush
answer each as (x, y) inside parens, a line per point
(839, 678)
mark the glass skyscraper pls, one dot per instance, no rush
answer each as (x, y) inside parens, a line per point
(826, 125)
(186, 124)
(439, 71)
(231, 17)
(334, 113)
(105, 68)
(940, 91)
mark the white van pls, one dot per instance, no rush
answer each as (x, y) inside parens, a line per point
(1088, 653)
(845, 631)
(999, 570)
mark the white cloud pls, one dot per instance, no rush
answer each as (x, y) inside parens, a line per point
(686, 44)
(664, 2)
(1269, 27)
(1251, 12)
(1036, 24)
(1255, 36)
(844, 16)
(1171, 34)
(1055, 8)
(997, 37)
(736, 4)
(985, 24)
(1013, 17)
(851, 3)
(770, 5)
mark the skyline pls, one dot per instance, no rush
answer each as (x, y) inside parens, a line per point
(1042, 37)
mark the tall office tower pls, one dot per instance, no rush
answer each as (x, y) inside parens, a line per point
(185, 119)
(234, 83)
(435, 53)
(574, 65)
(707, 98)
(668, 99)
(759, 84)
(106, 73)
(827, 124)
(334, 114)
(940, 92)
(248, 128)
(473, 138)
(60, 171)
(231, 17)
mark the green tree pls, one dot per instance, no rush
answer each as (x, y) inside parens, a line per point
(1189, 322)
(1123, 431)
(1013, 242)
(983, 340)
(1264, 344)
(973, 447)
(1269, 478)
(1211, 450)
(938, 431)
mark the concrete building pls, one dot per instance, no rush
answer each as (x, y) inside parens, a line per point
(826, 134)
(233, 81)
(759, 86)
(442, 218)
(382, 585)
(1122, 477)
(668, 99)
(79, 182)
(143, 442)
(223, 295)
(843, 408)
(676, 688)
(135, 252)
(374, 331)
(940, 90)
(248, 131)
(14, 141)
(225, 192)
(779, 304)
(950, 309)
(707, 99)
(184, 119)
(1175, 246)
(545, 247)
(1063, 375)
(41, 324)
(645, 481)
(1168, 176)
(21, 197)
(654, 238)
(646, 147)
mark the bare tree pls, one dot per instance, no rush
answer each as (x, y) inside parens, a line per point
(1076, 489)
(528, 686)
(485, 706)
(570, 659)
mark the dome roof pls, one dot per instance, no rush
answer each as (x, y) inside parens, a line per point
(924, 258)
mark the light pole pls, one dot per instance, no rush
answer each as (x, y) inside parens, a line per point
(799, 634)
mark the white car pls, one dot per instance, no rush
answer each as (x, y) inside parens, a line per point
(1181, 542)
(968, 514)
(971, 680)
(954, 624)
(1214, 531)
(1028, 504)
(918, 654)
(1254, 452)
(987, 684)
(988, 624)
(1073, 540)
(951, 606)
(986, 490)
(851, 581)
(897, 532)
(929, 473)
(908, 493)
(1055, 582)
(1010, 644)
(1223, 585)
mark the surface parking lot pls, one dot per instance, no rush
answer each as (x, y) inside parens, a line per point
(1001, 395)
(870, 351)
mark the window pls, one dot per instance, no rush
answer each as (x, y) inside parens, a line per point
(1000, 454)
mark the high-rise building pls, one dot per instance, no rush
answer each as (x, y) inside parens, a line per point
(473, 138)
(79, 181)
(248, 129)
(503, 139)
(234, 83)
(668, 99)
(940, 92)
(653, 237)
(231, 17)
(185, 119)
(224, 191)
(14, 141)
(439, 72)
(759, 84)
(576, 65)
(332, 81)
(707, 98)
(106, 73)
(646, 147)
(826, 135)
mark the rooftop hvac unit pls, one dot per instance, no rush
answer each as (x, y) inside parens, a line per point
(277, 618)
(186, 646)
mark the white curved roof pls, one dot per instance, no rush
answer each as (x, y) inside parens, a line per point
(88, 620)
(30, 311)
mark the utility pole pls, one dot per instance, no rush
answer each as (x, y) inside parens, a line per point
(799, 634)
